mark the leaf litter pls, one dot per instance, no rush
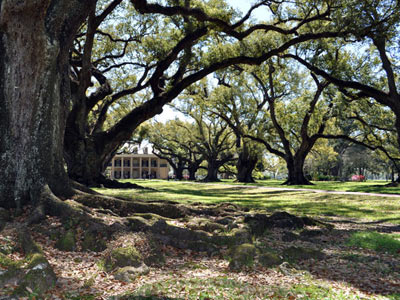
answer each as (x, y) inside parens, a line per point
(350, 270)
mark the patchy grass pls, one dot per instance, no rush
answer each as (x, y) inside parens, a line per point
(365, 207)
(222, 288)
(348, 270)
(80, 297)
(375, 241)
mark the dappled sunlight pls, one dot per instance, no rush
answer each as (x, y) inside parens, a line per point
(335, 276)
(186, 273)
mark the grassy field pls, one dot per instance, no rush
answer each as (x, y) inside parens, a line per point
(372, 208)
(372, 186)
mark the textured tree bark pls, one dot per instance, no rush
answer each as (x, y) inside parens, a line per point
(34, 86)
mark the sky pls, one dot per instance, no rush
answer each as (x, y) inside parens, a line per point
(244, 6)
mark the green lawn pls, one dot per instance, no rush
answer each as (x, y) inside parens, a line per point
(371, 208)
(372, 186)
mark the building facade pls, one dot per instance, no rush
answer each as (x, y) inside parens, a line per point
(145, 166)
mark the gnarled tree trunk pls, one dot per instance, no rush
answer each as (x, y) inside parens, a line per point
(35, 36)
(212, 169)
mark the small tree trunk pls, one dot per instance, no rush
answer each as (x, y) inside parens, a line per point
(245, 166)
(192, 172)
(178, 172)
(212, 173)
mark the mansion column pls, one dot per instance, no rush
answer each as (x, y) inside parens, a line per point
(140, 168)
(131, 164)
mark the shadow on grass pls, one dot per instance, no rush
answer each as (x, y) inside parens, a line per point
(374, 189)
(363, 187)
(214, 193)
(345, 262)
(298, 202)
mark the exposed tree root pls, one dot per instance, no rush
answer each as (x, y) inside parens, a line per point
(83, 188)
(217, 225)
(72, 214)
(48, 203)
(33, 272)
(91, 221)
(125, 208)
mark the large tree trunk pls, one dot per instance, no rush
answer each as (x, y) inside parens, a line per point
(34, 88)
(245, 166)
(295, 168)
